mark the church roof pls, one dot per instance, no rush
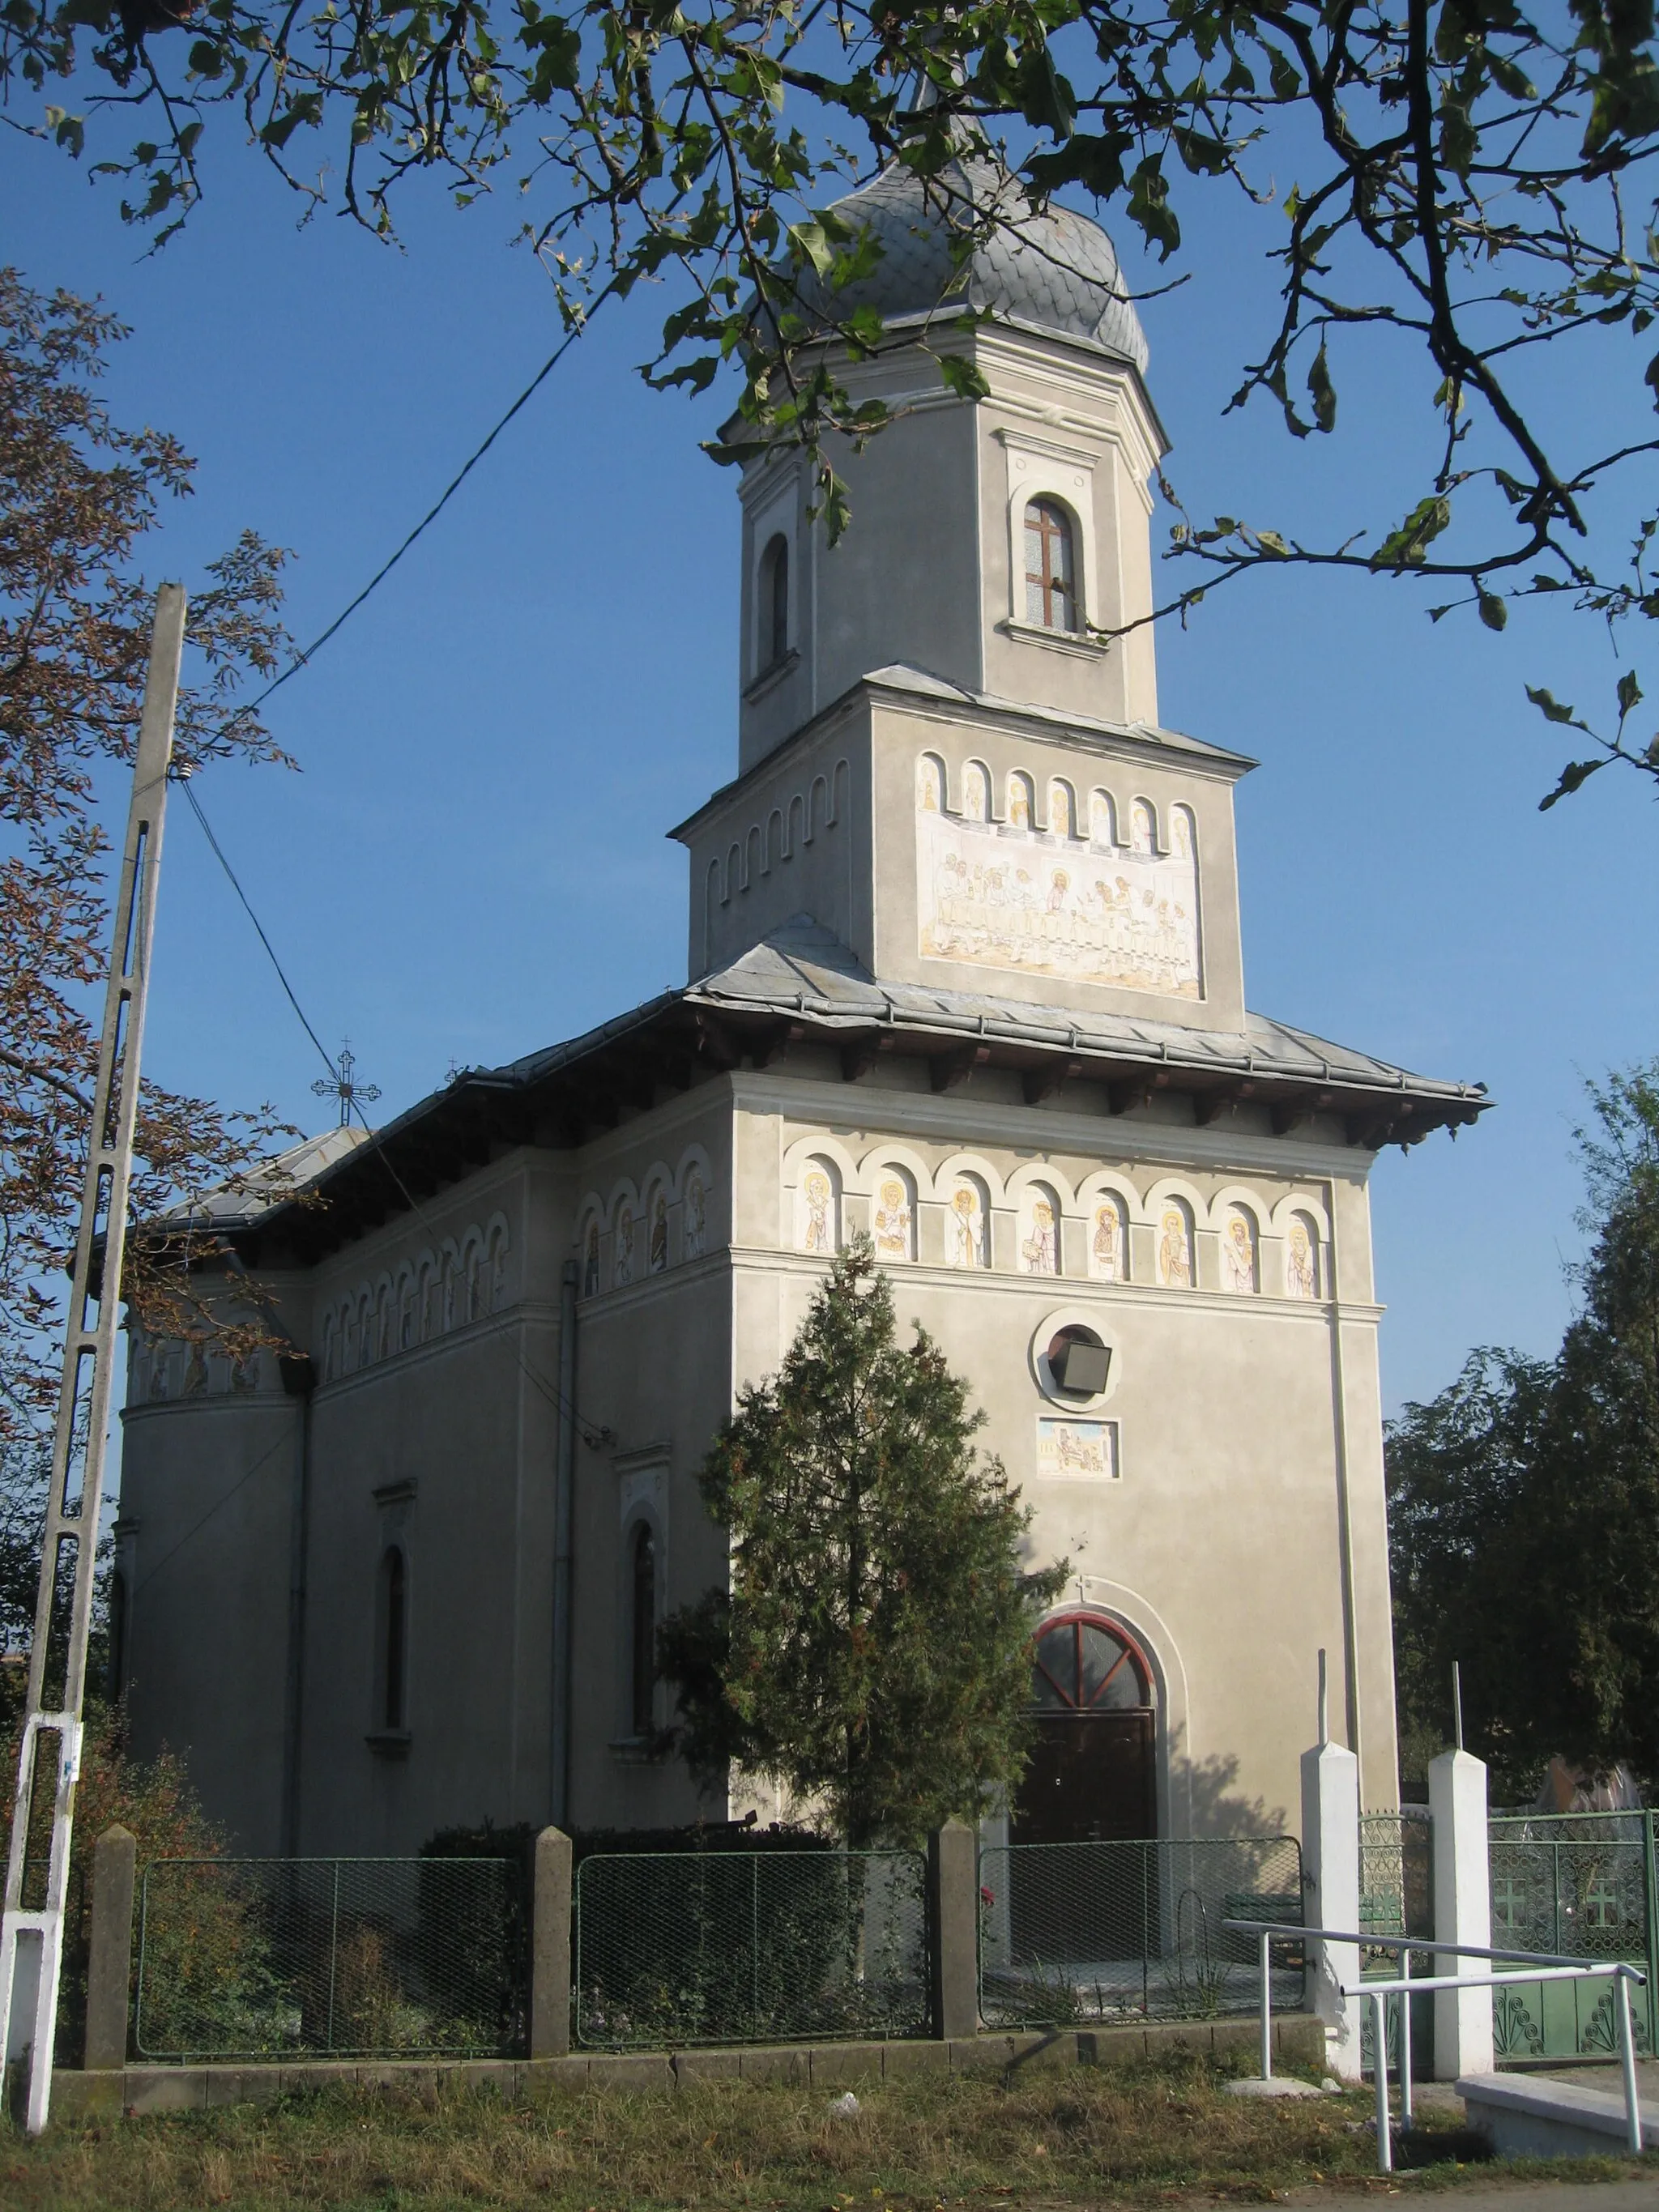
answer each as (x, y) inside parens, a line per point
(1045, 267)
(802, 986)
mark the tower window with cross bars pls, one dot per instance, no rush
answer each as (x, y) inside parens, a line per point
(1050, 567)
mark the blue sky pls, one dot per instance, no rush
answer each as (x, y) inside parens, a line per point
(472, 862)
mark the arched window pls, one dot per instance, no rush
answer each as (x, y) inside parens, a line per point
(1081, 1664)
(643, 1640)
(772, 611)
(1050, 567)
(394, 1641)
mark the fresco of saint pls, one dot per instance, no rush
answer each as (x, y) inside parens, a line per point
(1038, 1249)
(625, 1269)
(695, 1217)
(891, 1220)
(1238, 1252)
(967, 1224)
(976, 799)
(1019, 803)
(1059, 810)
(1106, 1243)
(1100, 820)
(1301, 1261)
(1175, 1251)
(928, 792)
(657, 1257)
(590, 1263)
(817, 1233)
(1140, 829)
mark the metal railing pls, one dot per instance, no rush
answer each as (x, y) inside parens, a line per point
(678, 1947)
(1540, 1968)
(328, 1958)
(1076, 1934)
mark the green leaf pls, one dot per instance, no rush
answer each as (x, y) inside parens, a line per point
(1551, 707)
(1629, 691)
(1574, 774)
(1408, 547)
(965, 378)
(1322, 391)
(1493, 613)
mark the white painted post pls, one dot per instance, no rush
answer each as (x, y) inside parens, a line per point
(1330, 1874)
(1462, 1910)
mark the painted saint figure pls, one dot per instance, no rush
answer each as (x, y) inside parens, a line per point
(1038, 1249)
(625, 1269)
(1301, 1261)
(892, 1221)
(1175, 1253)
(816, 1235)
(1106, 1247)
(967, 1226)
(657, 1257)
(590, 1263)
(1238, 1252)
(694, 1217)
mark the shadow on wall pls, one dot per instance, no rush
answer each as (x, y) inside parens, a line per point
(1216, 1807)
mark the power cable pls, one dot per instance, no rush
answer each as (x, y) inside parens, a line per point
(553, 1396)
(301, 659)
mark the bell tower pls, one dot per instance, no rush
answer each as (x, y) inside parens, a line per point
(949, 750)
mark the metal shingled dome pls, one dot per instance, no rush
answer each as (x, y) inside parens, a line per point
(1048, 268)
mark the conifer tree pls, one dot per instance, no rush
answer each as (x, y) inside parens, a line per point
(873, 1648)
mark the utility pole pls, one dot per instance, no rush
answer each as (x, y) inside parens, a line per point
(48, 1751)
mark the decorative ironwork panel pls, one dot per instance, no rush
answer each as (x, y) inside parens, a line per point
(1396, 1897)
(1073, 1934)
(678, 1947)
(1579, 1885)
(300, 1958)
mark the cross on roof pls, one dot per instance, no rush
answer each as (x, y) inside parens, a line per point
(342, 1086)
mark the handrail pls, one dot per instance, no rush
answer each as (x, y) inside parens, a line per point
(1545, 1967)
(1372, 1942)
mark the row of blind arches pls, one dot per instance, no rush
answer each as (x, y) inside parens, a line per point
(1039, 1245)
(464, 1282)
(1135, 830)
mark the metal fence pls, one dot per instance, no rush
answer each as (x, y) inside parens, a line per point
(1580, 1884)
(328, 1958)
(1396, 1897)
(1079, 1932)
(676, 1948)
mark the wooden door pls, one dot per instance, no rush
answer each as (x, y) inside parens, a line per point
(1091, 1780)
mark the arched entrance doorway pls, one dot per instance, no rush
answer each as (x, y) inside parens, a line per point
(1092, 1773)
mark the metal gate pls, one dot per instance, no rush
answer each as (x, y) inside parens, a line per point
(1396, 1897)
(1580, 1884)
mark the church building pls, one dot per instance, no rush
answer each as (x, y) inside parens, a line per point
(966, 975)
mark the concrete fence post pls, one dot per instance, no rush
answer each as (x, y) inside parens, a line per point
(953, 1928)
(109, 1962)
(1462, 1911)
(1330, 1878)
(549, 1955)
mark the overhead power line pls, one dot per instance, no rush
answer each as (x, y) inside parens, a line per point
(302, 660)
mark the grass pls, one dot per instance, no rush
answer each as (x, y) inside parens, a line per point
(963, 2143)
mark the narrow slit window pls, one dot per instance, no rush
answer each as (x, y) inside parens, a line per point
(394, 1665)
(774, 609)
(1050, 567)
(643, 1669)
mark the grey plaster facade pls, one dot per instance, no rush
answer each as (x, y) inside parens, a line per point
(1042, 1137)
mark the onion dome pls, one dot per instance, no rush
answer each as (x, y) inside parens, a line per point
(1044, 269)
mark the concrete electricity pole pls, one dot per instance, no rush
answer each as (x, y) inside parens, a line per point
(49, 1753)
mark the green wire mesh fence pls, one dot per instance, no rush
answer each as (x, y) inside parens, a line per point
(295, 1958)
(1580, 1884)
(1074, 1934)
(672, 1949)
